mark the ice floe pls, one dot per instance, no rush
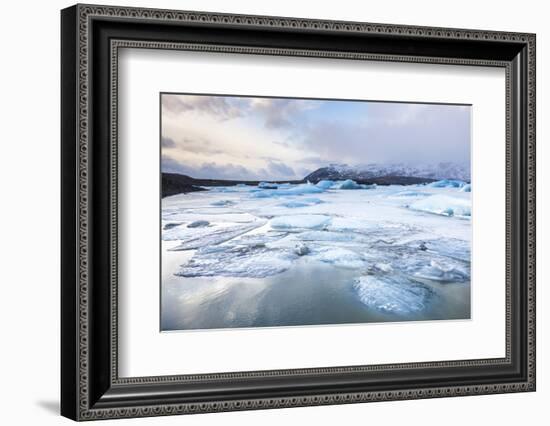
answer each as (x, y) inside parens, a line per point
(302, 202)
(303, 221)
(324, 184)
(442, 271)
(398, 259)
(350, 184)
(255, 261)
(267, 185)
(444, 205)
(329, 236)
(466, 188)
(293, 204)
(410, 194)
(215, 237)
(339, 257)
(448, 183)
(393, 294)
(302, 189)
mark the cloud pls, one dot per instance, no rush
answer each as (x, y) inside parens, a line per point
(167, 142)
(280, 171)
(395, 133)
(210, 170)
(170, 165)
(280, 112)
(199, 145)
(278, 138)
(219, 106)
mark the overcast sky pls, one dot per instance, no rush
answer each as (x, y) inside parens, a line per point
(229, 137)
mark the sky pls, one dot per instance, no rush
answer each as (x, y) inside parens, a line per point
(255, 138)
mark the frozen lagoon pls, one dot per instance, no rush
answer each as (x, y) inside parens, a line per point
(247, 256)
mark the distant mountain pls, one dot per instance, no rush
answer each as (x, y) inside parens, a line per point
(371, 172)
(388, 174)
(174, 183)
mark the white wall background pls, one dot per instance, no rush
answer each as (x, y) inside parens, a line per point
(29, 215)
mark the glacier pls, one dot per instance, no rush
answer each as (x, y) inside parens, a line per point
(401, 250)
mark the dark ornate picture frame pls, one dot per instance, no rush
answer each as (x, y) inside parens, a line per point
(90, 38)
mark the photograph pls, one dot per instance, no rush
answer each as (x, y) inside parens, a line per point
(298, 212)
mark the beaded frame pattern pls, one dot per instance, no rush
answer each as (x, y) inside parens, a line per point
(86, 12)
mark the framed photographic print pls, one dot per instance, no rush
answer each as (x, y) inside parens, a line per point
(263, 212)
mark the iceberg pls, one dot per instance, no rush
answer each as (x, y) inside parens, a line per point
(444, 205)
(466, 188)
(393, 294)
(304, 221)
(350, 184)
(324, 184)
(302, 189)
(448, 183)
(267, 185)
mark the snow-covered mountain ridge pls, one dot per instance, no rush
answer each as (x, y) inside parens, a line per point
(446, 170)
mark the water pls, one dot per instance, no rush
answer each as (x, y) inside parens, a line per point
(366, 256)
(307, 294)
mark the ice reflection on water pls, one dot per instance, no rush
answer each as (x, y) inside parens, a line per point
(346, 257)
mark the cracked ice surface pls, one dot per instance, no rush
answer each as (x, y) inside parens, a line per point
(393, 294)
(403, 248)
(216, 237)
(255, 261)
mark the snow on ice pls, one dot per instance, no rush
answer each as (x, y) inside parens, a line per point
(394, 239)
(445, 205)
(301, 221)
